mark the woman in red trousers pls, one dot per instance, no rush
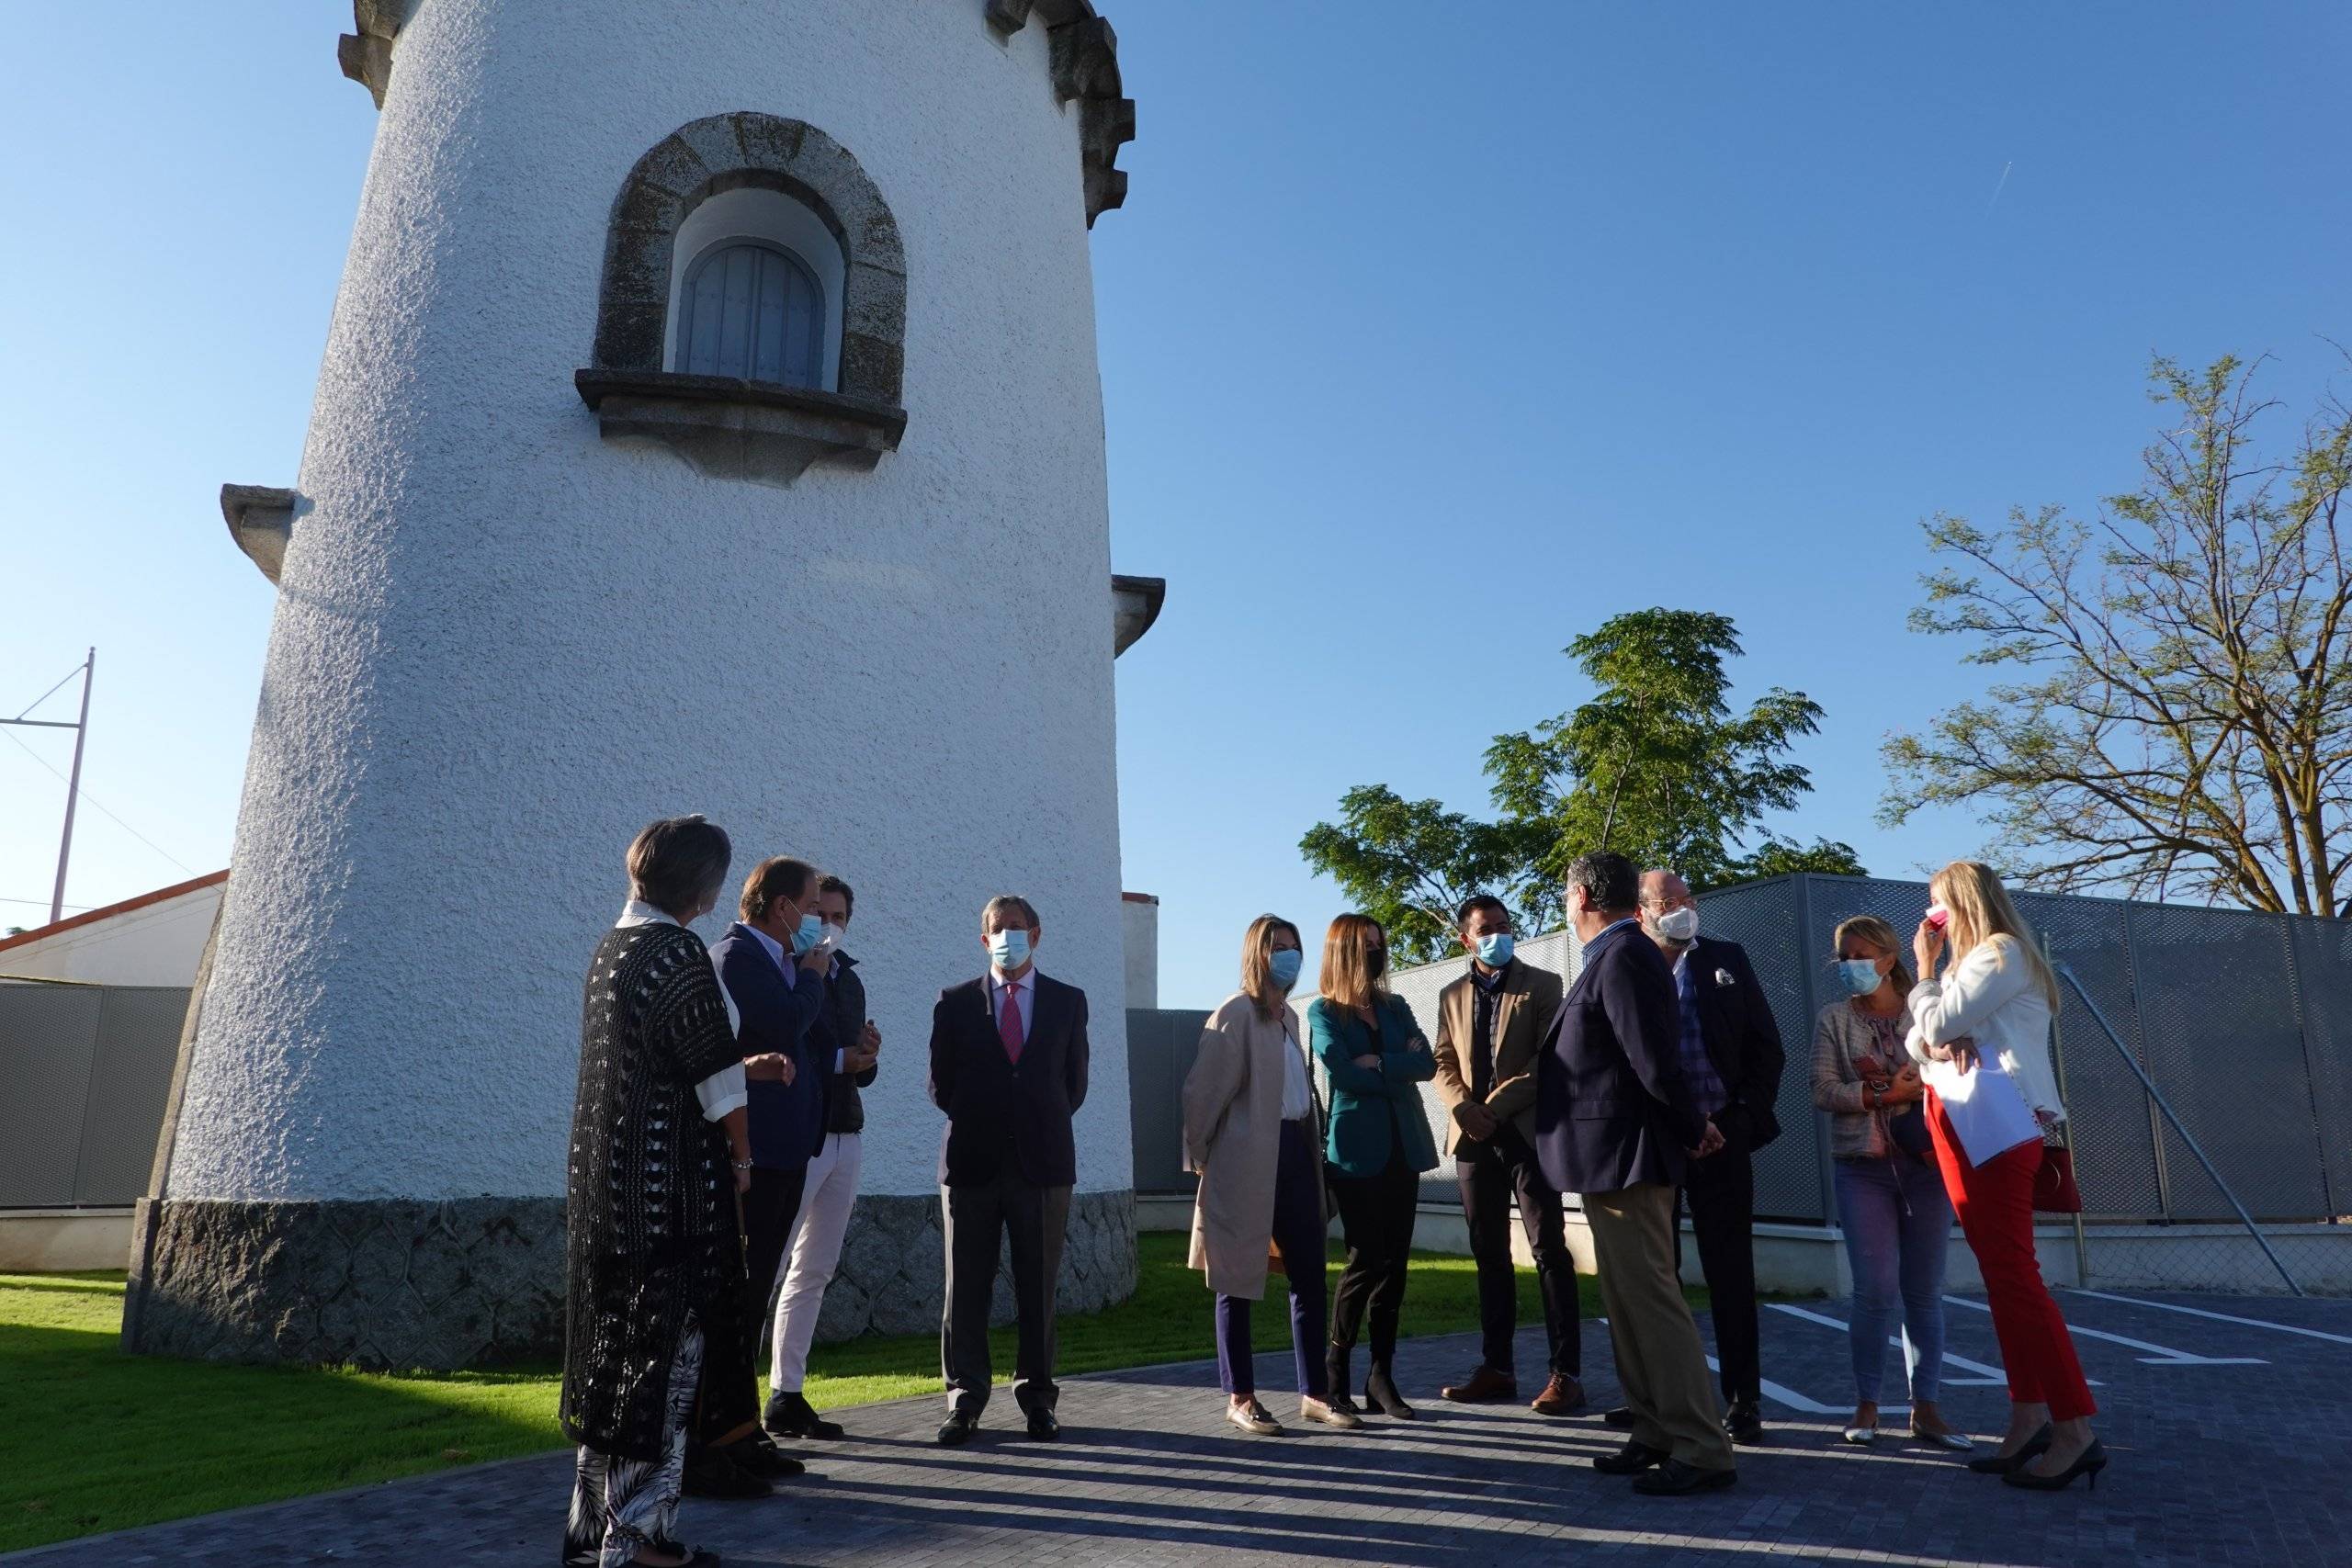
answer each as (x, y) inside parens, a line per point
(1984, 1030)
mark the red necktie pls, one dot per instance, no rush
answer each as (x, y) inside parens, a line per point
(1007, 1023)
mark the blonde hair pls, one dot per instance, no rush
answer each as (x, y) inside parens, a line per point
(1257, 962)
(1981, 910)
(1876, 933)
(1347, 979)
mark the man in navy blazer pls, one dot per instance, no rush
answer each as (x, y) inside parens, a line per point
(1614, 1122)
(1007, 1065)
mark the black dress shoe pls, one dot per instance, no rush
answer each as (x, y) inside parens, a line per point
(1044, 1426)
(1673, 1478)
(713, 1473)
(755, 1455)
(1629, 1459)
(791, 1416)
(1743, 1424)
(956, 1430)
(1622, 1418)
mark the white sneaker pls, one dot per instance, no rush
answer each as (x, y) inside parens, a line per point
(1252, 1419)
(1313, 1409)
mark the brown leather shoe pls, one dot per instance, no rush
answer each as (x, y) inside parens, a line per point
(1485, 1387)
(1561, 1396)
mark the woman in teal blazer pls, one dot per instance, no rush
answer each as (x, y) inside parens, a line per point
(1377, 1147)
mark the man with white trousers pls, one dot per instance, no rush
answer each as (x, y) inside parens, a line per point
(844, 1045)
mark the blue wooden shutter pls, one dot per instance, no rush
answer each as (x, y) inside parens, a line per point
(754, 310)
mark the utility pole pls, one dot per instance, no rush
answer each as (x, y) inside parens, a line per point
(80, 728)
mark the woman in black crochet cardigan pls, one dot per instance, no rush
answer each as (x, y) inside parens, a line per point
(660, 1148)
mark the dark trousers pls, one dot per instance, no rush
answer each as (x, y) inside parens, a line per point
(982, 1219)
(726, 1397)
(1298, 1236)
(769, 1209)
(1493, 1174)
(1376, 1216)
(1720, 1191)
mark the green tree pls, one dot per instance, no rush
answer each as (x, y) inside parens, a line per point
(1410, 865)
(2180, 716)
(1655, 765)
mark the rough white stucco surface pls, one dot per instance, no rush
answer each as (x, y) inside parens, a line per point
(502, 645)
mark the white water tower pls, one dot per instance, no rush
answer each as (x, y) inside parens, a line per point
(709, 421)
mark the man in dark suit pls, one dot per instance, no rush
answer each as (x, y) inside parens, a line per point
(1731, 1056)
(1614, 1122)
(770, 967)
(1007, 1065)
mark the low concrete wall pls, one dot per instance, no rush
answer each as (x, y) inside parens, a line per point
(63, 1241)
(1810, 1260)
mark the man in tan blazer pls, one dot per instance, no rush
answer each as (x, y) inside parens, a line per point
(1491, 1028)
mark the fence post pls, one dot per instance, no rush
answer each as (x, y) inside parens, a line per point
(2156, 1096)
(2155, 1120)
(2066, 1124)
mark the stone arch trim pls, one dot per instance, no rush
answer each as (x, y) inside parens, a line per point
(727, 152)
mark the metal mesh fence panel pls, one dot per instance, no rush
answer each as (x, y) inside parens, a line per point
(2322, 957)
(130, 1077)
(1160, 1048)
(2217, 1022)
(49, 1036)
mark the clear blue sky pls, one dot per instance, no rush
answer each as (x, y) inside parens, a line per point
(1430, 337)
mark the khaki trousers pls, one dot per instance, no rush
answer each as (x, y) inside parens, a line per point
(1660, 1360)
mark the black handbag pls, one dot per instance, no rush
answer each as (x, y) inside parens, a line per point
(1907, 1128)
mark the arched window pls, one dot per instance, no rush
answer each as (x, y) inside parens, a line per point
(751, 309)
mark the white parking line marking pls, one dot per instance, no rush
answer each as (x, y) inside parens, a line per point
(2216, 1316)
(1777, 1394)
(1986, 1377)
(2166, 1356)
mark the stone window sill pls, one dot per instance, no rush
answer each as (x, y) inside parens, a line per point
(732, 429)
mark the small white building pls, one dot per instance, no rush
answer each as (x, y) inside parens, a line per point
(152, 940)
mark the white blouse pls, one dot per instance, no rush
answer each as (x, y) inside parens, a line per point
(1991, 997)
(1296, 1102)
(722, 1091)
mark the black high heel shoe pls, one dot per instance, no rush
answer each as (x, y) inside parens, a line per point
(2003, 1464)
(2087, 1464)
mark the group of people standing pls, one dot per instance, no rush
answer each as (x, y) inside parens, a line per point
(1645, 1088)
(716, 1145)
(715, 1149)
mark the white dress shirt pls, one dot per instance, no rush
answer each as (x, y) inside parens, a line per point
(1024, 996)
(722, 1091)
(1297, 1102)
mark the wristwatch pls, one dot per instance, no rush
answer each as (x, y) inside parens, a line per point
(741, 1164)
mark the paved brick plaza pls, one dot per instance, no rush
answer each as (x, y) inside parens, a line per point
(2224, 1464)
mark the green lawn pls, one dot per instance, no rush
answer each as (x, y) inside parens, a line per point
(91, 1439)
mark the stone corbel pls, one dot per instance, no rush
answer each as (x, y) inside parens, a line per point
(261, 521)
(1135, 606)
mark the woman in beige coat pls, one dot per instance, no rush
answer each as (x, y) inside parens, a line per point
(1252, 1133)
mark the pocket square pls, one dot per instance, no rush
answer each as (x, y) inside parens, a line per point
(1723, 977)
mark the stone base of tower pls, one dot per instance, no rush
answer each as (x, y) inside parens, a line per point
(381, 1284)
(398, 1284)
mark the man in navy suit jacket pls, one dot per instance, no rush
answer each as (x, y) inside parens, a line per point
(1614, 1122)
(1007, 1065)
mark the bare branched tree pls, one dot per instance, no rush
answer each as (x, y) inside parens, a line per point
(2177, 726)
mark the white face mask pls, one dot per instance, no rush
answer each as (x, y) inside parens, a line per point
(1679, 925)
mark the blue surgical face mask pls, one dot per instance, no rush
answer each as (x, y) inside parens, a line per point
(1495, 951)
(1860, 975)
(810, 932)
(1284, 967)
(1008, 950)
